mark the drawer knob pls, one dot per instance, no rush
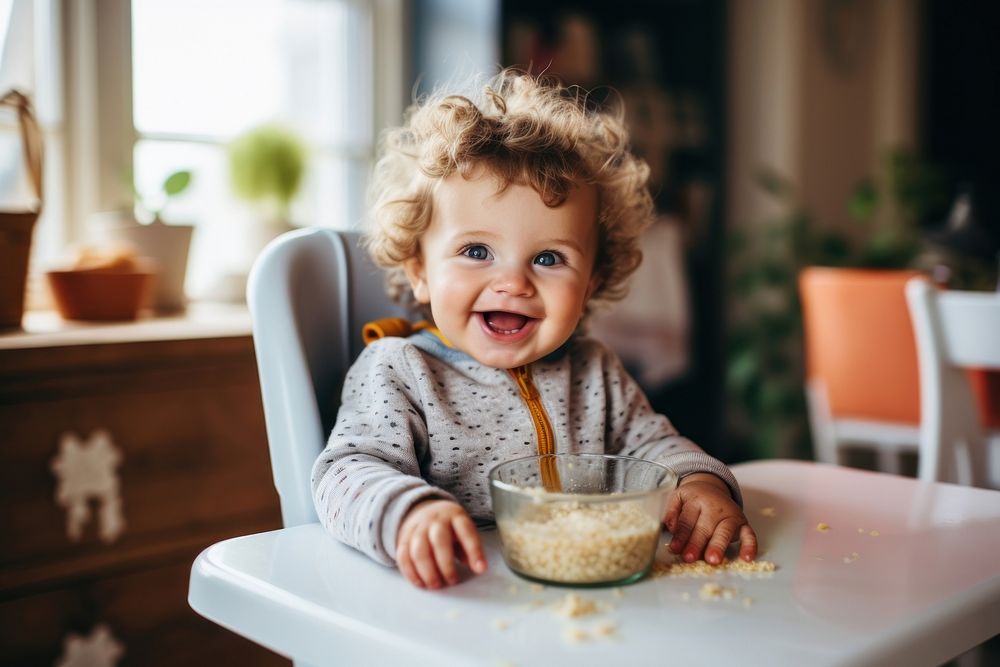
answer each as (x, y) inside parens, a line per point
(98, 649)
(87, 471)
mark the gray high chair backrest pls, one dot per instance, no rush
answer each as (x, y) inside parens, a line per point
(309, 292)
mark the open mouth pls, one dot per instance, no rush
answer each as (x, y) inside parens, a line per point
(505, 324)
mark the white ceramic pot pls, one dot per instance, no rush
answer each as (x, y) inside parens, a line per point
(167, 245)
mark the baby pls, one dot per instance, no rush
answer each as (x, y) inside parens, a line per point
(504, 218)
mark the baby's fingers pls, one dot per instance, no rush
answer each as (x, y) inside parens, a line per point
(424, 562)
(717, 545)
(673, 510)
(684, 528)
(406, 567)
(748, 542)
(442, 546)
(468, 540)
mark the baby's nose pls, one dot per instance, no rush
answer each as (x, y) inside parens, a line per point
(513, 281)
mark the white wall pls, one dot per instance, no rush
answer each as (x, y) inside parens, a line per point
(822, 121)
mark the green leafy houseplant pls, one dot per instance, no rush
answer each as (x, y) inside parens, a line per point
(173, 185)
(266, 166)
(764, 369)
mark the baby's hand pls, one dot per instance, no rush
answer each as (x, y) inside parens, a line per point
(426, 547)
(704, 518)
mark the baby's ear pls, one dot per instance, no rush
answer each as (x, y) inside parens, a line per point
(595, 282)
(417, 276)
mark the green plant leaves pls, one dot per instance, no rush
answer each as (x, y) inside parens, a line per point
(177, 182)
(267, 162)
(863, 201)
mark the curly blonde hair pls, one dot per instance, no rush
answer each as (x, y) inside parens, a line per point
(524, 130)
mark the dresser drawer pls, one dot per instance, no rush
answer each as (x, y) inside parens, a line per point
(145, 614)
(190, 463)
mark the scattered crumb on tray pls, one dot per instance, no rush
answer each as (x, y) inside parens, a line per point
(822, 527)
(605, 630)
(700, 568)
(767, 511)
(714, 591)
(574, 606)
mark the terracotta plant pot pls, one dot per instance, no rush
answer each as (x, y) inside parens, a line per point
(100, 295)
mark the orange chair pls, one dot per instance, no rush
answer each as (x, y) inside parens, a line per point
(862, 381)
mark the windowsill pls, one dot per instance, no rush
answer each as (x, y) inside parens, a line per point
(44, 328)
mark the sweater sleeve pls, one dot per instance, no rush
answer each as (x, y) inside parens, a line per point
(635, 430)
(368, 476)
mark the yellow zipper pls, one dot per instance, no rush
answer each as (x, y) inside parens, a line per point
(546, 439)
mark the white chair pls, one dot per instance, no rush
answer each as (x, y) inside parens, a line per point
(309, 294)
(954, 331)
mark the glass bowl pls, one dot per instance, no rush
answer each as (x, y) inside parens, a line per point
(580, 519)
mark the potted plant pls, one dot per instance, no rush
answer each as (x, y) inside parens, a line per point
(167, 244)
(266, 166)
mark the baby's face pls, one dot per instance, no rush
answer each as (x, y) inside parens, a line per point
(506, 276)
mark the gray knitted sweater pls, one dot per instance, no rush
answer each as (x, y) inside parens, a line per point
(419, 420)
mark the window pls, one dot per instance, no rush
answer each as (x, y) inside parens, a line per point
(151, 86)
(204, 71)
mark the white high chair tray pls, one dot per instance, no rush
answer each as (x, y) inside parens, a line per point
(907, 573)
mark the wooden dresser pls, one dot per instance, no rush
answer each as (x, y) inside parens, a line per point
(125, 450)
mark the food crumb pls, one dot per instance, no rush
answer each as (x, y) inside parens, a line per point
(747, 601)
(574, 606)
(501, 624)
(618, 593)
(874, 533)
(822, 527)
(607, 629)
(853, 557)
(714, 591)
(767, 511)
(575, 635)
(700, 568)
(536, 588)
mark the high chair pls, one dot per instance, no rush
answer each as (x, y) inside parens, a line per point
(862, 385)
(954, 331)
(306, 596)
(309, 294)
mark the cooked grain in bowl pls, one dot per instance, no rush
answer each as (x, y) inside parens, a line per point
(581, 542)
(580, 519)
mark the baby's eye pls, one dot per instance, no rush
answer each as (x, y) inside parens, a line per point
(477, 252)
(548, 258)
